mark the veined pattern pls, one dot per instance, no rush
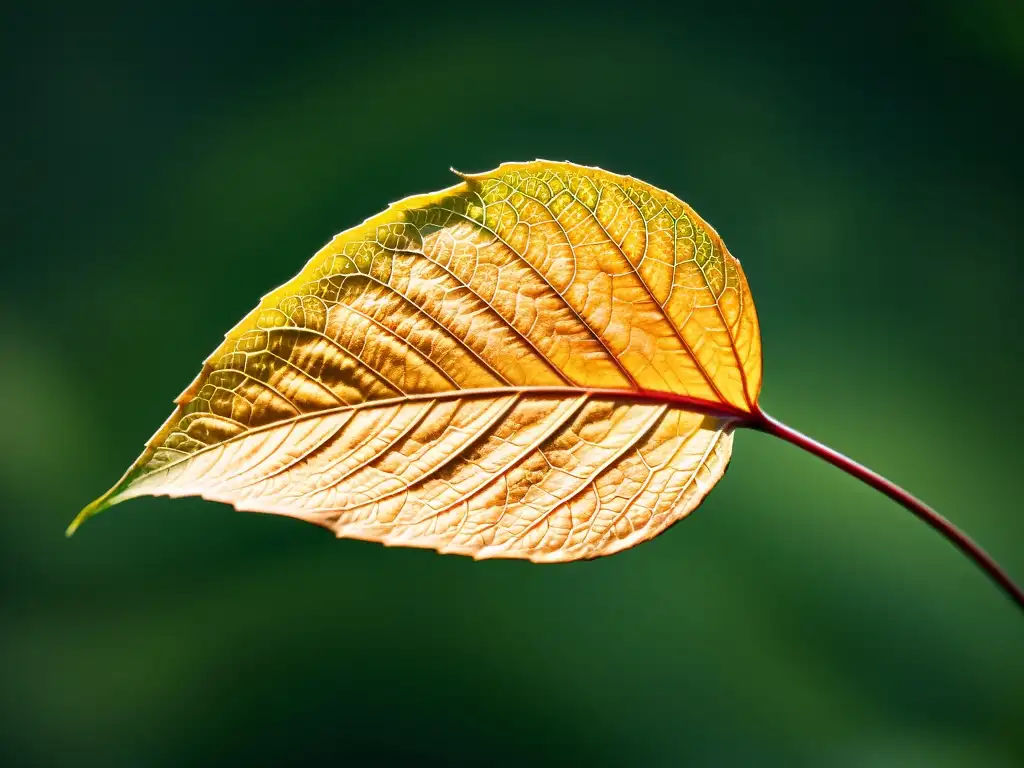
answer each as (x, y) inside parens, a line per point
(439, 376)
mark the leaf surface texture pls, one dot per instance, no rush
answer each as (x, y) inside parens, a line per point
(480, 371)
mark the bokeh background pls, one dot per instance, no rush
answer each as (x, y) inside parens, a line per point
(165, 168)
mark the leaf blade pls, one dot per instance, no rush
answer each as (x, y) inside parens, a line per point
(534, 276)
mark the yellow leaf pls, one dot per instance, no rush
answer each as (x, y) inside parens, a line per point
(545, 361)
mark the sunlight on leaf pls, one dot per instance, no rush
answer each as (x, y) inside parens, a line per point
(545, 361)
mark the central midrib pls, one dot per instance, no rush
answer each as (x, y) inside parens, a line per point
(635, 396)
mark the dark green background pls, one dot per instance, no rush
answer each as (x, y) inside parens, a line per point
(165, 169)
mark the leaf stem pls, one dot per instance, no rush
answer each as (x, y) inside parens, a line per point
(762, 422)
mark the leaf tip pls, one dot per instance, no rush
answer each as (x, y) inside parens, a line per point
(80, 518)
(91, 509)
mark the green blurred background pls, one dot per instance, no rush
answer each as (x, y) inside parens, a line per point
(167, 167)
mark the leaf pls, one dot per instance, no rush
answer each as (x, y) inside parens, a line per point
(545, 361)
